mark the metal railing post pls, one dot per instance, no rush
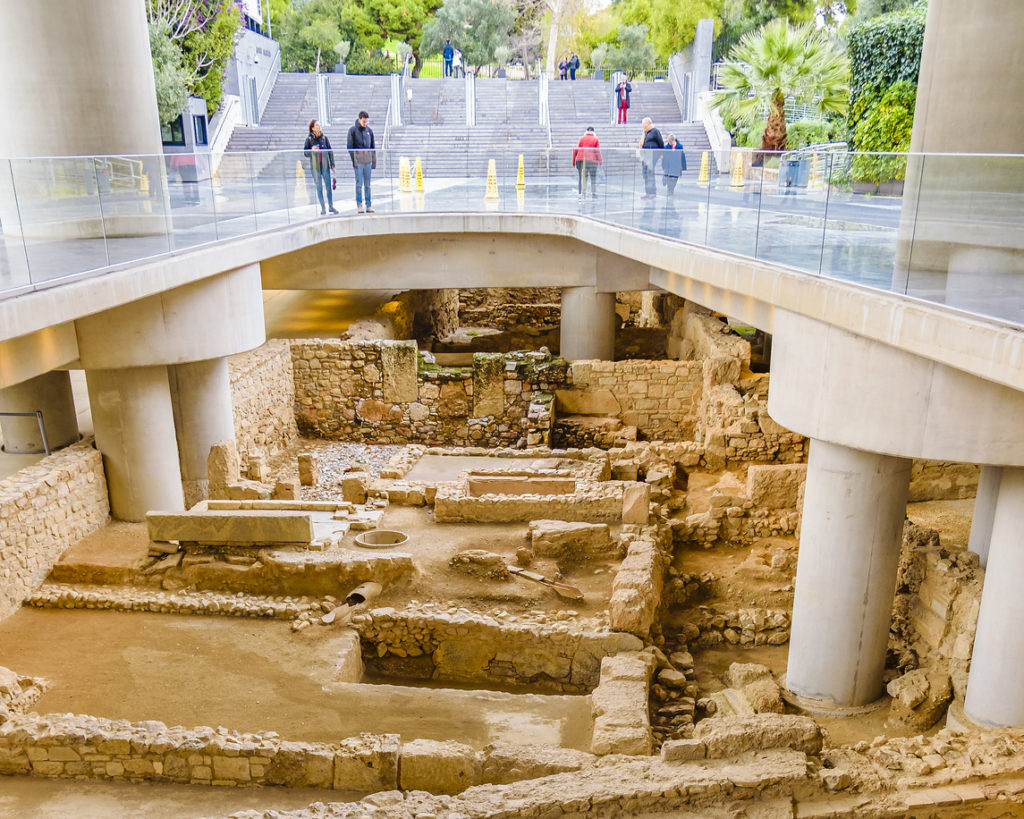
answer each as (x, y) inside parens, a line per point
(470, 99)
(396, 100)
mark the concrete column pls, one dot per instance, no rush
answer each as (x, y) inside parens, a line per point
(995, 687)
(134, 422)
(49, 393)
(201, 399)
(984, 511)
(588, 324)
(854, 506)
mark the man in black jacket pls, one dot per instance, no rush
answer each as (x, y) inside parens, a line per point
(652, 142)
(364, 158)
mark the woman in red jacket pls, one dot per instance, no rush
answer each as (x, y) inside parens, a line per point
(586, 157)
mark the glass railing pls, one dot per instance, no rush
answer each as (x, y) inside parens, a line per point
(944, 228)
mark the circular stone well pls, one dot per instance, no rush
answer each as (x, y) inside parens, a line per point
(381, 538)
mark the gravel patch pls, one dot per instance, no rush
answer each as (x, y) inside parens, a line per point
(334, 457)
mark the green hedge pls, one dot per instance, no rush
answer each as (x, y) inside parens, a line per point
(884, 124)
(811, 132)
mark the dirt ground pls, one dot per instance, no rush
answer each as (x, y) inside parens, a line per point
(256, 675)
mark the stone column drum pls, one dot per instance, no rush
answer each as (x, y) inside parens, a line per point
(588, 324)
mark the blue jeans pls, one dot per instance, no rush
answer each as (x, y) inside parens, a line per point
(322, 178)
(447, 68)
(363, 182)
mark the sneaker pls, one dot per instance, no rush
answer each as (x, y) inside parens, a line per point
(359, 208)
(334, 210)
(370, 210)
(322, 211)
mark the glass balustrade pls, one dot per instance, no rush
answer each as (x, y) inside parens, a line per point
(944, 228)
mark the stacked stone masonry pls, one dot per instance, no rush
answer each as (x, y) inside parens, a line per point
(44, 509)
(263, 402)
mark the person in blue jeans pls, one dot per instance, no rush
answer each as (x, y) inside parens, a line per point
(448, 54)
(364, 158)
(321, 163)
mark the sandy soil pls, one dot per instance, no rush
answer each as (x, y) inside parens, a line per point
(950, 518)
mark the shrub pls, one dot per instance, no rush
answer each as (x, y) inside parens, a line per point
(884, 124)
(811, 132)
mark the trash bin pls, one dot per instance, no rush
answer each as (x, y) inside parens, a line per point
(794, 172)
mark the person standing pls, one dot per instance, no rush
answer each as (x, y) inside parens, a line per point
(622, 100)
(364, 158)
(586, 157)
(458, 69)
(448, 53)
(321, 162)
(650, 147)
(673, 163)
(563, 68)
(574, 65)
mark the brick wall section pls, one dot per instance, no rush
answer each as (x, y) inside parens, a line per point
(342, 393)
(44, 509)
(263, 400)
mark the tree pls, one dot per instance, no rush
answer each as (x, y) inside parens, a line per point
(401, 20)
(171, 80)
(633, 51)
(477, 27)
(674, 24)
(777, 62)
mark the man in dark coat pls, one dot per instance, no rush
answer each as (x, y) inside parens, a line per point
(673, 163)
(622, 100)
(448, 53)
(574, 66)
(650, 148)
(364, 158)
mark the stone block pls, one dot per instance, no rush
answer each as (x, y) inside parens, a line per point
(309, 472)
(222, 467)
(683, 750)
(587, 402)
(301, 765)
(349, 666)
(398, 362)
(488, 385)
(739, 675)
(504, 762)
(636, 503)
(354, 487)
(919, 697)
(367, 763)
(235, 768)
(480, 563)
(734, 735)
(286, 490)
(437, 767)
(463, 659)
(247, 490)
(610, 738)
(636, 666)
(775, 486)
(256, 468)
(232, 528)
(571, 540)
(764, 696)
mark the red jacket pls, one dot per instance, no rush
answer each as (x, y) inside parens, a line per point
(588, 149)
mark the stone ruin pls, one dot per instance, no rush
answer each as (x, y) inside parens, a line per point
(626, 552)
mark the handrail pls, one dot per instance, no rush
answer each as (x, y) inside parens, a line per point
(674, 70)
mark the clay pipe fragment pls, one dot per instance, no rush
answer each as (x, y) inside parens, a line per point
(563, 590)
(358, 597)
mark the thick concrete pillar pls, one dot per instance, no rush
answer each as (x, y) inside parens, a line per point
(854, 507)
(984, 512)
(50, 394)
(134, 422)
(588, 324)
(995, 687)
(201, 399)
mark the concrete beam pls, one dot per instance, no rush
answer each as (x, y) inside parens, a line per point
(31, 355)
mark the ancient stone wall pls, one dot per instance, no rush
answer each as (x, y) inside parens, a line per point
(44, 509)
(262, 399)
(464, 646)
(941, 480)
(376, 392)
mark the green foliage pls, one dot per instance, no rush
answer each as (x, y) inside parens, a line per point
(776, 63)
(739, 17)
(813, 132)
(886, 50)
(171, 79)
(674, 23)
(884, 125)
(633, 51)
(477, 27)
(367, 61)
(208, 52)
(308, 31)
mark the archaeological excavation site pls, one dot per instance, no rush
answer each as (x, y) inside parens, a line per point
(442, 565)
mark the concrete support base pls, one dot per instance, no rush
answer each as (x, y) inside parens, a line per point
(588, 324)
(995, 687)
(854, 507)
(134, 422)
(50, 394)
(201, 399)
(984, 512)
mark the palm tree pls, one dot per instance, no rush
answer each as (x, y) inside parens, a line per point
(776, 62)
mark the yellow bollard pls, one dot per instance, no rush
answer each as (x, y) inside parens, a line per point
(144, 183)
(492, 181)
(520, 200)
(705, 167)
(301, 194)
(419, 176)
(521, 175)
(815, 181)
(736, 183)
(404, 176)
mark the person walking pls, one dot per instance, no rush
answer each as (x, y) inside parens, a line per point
(586, 157)
(321, 163)
(651, 146)
(364, 159)
(673, 163)
(447, 54)
(574, 65)
(622, 100)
